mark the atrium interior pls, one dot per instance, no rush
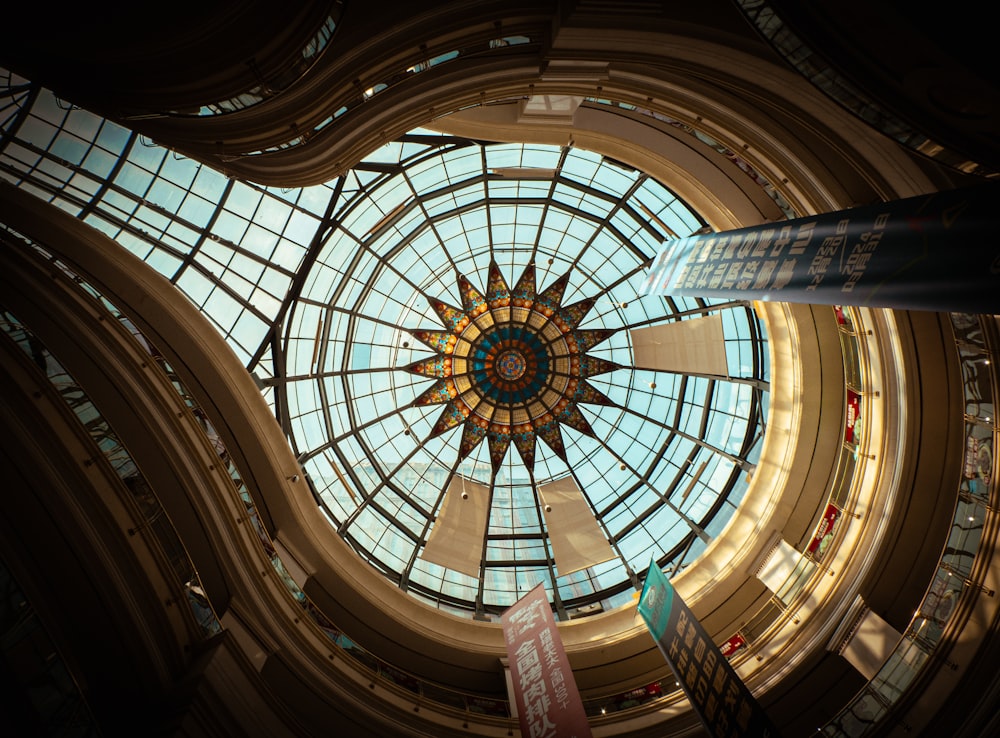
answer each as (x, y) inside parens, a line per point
(325, 341)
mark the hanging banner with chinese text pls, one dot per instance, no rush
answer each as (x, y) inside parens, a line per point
(548, 702)
(725, 705)
(930, 252)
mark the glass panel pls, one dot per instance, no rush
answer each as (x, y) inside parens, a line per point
(377, 256)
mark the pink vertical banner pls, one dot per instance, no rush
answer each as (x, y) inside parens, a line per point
(548, 702)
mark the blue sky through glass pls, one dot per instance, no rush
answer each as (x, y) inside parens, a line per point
(666, 466)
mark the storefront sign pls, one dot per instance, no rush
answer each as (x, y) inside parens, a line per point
(548, 702)
(824, 533)
(733, 646)
(931, 252)
(725, 705)
(853, 414)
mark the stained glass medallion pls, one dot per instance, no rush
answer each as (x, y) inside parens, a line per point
(512, 366)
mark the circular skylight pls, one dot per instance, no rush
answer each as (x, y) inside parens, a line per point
(463, 356)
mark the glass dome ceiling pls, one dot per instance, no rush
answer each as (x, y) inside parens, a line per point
(468, 324)
(343, 299)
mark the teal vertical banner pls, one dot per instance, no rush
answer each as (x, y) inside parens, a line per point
(930, 252)
(725, 705)
(656, 602)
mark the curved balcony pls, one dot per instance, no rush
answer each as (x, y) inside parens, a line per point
(144, 62)
(957, 106)
(152, 522)
(943, 616)
(275, 84)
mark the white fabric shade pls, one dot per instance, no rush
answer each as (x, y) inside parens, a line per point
(456, 540)
(696, 346)
(577, 540)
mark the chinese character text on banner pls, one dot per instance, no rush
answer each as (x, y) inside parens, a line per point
(716, 692)
(548, 703)
(930, 252)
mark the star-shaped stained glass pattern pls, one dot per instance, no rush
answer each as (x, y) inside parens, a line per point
(512, 366)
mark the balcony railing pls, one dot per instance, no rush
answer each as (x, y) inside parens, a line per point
(940, 618)
(154, 523)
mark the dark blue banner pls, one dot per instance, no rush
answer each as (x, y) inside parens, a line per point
(725, 705)
(932, 252)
